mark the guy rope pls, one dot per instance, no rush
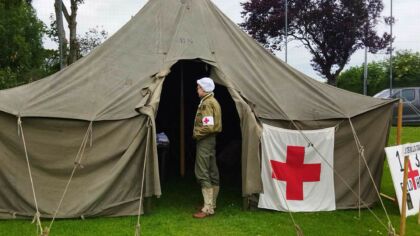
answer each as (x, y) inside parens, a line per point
(138, 226)
(77, 163)
(37, 216)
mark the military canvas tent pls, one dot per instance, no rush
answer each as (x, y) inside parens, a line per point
(100, 114)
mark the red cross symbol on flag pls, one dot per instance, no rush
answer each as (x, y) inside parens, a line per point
(294, 172)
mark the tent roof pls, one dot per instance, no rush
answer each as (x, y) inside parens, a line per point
(107, 83)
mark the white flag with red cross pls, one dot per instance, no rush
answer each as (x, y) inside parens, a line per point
(297, 170)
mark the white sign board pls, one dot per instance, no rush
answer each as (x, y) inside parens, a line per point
(395, 156)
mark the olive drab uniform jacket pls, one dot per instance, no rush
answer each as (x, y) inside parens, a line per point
(208, 119)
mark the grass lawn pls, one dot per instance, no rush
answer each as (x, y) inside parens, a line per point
(172, 215)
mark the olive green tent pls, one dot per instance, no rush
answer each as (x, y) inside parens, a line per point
(99, 115)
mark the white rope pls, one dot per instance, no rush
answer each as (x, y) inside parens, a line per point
(77, 163)
(37, 216)
(362, 155)
(391, 230)
(338, 174)
(138, 226)
(91, 136)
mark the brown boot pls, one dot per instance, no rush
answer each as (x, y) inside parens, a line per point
(201, 215)
(207, 210)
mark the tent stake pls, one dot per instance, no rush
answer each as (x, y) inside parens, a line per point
(181, 126)
(389, 198)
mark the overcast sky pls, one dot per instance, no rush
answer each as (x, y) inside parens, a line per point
(112, 15)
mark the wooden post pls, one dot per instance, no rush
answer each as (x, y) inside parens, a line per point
(399, 121)
(404, 198)
(182, 127)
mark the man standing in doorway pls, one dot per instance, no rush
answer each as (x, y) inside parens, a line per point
(207, 123)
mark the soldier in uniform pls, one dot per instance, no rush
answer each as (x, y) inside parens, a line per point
(207, 123)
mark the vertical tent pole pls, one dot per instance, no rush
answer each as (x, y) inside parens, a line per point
(390, 51)
(399, 122)
(182, 127)
(365, 73)
(285, 27)
(404, 198)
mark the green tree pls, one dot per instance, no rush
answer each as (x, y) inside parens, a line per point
(377, 77)
(406, 69)
(406, 73)
(21, 52)
(352, 79)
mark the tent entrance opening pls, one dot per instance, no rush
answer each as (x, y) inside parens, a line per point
(175, 117)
